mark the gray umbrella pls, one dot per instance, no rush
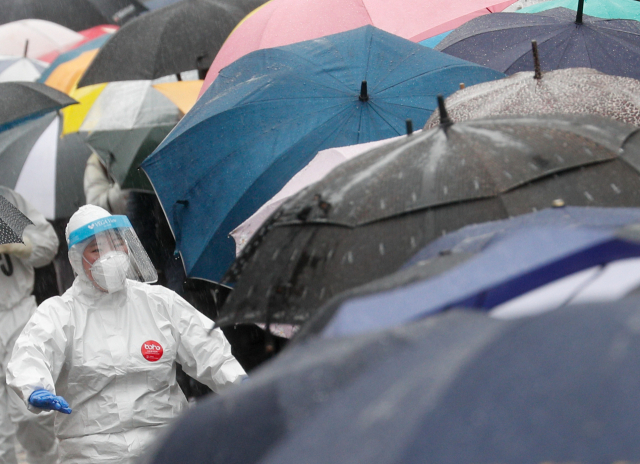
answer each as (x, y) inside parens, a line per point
(368, 216)
(12, 222)
(575, 90)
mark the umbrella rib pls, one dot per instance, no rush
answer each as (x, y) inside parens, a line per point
(426, 73)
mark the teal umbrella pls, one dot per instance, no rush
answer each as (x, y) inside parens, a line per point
(608, 9)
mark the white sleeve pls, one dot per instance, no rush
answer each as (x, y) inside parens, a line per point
(42, 235)
(203, 354)
(39, 352)
(99, 190)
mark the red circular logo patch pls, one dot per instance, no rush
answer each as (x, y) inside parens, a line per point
(151, 350)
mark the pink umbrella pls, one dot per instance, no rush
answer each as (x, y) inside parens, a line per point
(283, 22)
(317, 168)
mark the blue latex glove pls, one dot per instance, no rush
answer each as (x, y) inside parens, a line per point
(46, 400)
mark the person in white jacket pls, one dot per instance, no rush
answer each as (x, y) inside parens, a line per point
(17, 263)
(104, 354)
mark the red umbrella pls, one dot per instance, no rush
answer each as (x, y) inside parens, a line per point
(283, 22)
(88, 34)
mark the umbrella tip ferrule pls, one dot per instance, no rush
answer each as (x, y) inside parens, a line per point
(445, 120)
(558, 203)
(364, 95)
(537, 71)
(579, 12)
(409, 123)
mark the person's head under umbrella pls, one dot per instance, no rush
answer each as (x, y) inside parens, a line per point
(106, 250)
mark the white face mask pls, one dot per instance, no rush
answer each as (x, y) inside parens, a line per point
(110, 270)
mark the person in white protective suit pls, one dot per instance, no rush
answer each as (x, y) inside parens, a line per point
(105, 352)
(17, 263)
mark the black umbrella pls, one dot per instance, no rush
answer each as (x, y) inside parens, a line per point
(458, 387)
(22, 100)
(12, 222)
(502, 41)
(371, 214)
(180, 37)
(74, 14)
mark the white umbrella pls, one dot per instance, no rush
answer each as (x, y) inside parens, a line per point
(317, 168)
(42, 37)
(14, 68)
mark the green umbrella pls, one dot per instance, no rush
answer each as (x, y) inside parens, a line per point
(608, 9)
(125, 124)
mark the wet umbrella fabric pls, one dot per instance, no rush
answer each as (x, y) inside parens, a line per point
(511, 266)
(371, 214)
(12, 222)
(457, 387)
(575, 90)
(42, 36)
(609, 45)
(267, 116)
(23, 100)
(44, 167)
(284, 22)
(609, 9)
(13, 68)
(74, 14)
(180, 37)
(125, 124)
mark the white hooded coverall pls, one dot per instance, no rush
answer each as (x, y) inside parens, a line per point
(16, 307)
(113, 357)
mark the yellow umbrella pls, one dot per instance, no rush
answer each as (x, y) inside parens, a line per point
(65, 77)
(183, 94)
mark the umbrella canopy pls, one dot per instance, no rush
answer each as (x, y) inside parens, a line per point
(575, 90)
(566, 40)
(73, 14)
(44, 167)
(14, 68)
(458, 387)
(520, 4)
(125, 124)
(371, 214)
(317, 168)
(571, 259)
(93, 38)
(180, 37)
(12, 222)
(65, 76)
(272, 111)
(610, 9)
(283, 22)
(22, 100)
(35, 37)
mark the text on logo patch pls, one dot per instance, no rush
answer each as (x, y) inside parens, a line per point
(151, 350)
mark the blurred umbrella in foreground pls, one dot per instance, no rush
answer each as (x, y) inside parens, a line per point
(609, 9)
(12, 222)
(128, 120)
(34, 37)
(14, 68)
(74, 14)
(566, 39)
(575, 90)
(44, 167)
(270, 113)
(371, 214)
(284, 22)
(317, 168)
(23, 100)
(457, 387)
(181, 37)
(537, 269)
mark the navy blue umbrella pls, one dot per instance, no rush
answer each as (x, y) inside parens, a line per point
(268, 114)
(456, 388)
(502, 41)
(521, 257)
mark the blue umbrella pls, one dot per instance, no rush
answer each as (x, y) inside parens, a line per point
(268, 114)
(513, 261)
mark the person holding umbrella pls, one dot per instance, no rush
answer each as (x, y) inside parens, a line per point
(17, 263)
(104, 353)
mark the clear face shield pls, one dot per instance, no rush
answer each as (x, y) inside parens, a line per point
(109, 252)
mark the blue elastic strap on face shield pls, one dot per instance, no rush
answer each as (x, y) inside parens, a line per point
(95, 227)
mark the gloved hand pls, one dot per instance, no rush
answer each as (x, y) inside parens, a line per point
(18, 249)
(46, 400)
